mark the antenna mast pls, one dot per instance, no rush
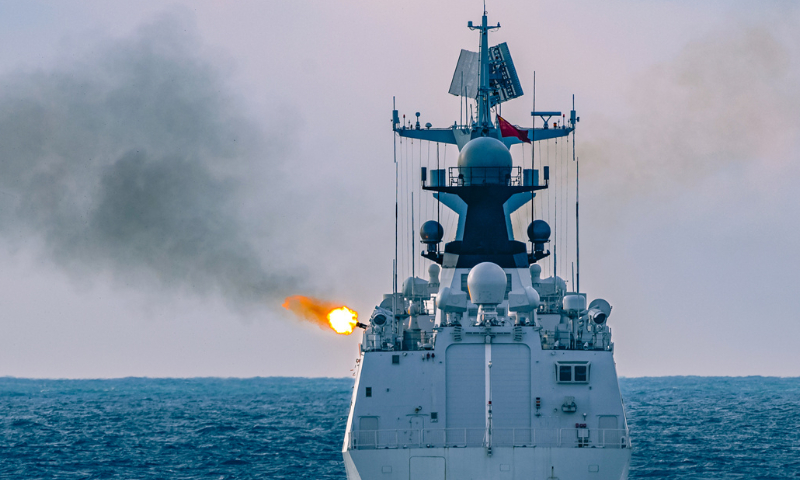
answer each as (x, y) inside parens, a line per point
(484, 114)
(396, 210)
(577, 225)
(577, 190)
(533, 139)
(438, 200)
(555, 219)
(413, 258)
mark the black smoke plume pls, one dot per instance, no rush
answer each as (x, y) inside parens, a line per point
(133, 161)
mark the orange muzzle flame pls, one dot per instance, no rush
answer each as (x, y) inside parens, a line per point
(339, 318)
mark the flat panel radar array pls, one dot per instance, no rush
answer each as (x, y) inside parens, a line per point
(467, 75)
(503, 80)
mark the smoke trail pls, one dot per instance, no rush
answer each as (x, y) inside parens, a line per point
(726, 103)
(133, 162)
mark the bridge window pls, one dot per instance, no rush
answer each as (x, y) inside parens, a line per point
(572, 372)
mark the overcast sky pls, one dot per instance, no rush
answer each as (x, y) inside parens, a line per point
(169, 173)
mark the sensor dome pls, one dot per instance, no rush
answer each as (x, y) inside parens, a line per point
(487, 284)
(431, 232)
(539, 231)
(484, 152)
(484, 161)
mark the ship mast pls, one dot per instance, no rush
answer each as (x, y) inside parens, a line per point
(484, 123)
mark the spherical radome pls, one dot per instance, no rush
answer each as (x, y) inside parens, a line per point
(484, 152)
(536, 272)
(538, 231)
(431, 232)
(487, 284)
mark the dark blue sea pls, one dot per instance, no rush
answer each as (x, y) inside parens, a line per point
(291, 428)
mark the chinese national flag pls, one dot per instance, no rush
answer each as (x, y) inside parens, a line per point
(508, 130)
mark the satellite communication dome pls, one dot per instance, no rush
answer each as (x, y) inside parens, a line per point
(539, 231)
(431, 232)
(433, 274)
(574, 304)
(487, 284)
(536, 273)
(484, 152)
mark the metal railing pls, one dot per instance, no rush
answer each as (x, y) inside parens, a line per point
(469, 176)
(500, 437)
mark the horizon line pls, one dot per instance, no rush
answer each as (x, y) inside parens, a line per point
(130, 377)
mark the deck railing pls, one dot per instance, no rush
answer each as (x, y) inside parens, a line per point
(472, 176)
(500, 437)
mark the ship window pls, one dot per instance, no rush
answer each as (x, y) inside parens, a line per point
(434, 417)
(508, 284)
(395, 359)
(369, 391)
(572, 372)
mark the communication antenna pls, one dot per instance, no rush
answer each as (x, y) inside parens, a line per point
(396, 215)
(573, 277)
(533, 141)
(438, 199)
(577, 225)
(577, 216)
(413, 238)
(555, 220)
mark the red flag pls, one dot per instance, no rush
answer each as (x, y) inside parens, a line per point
(508, 130)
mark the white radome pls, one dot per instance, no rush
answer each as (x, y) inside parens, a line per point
(484, 152)
(487, 284)
(574, 303)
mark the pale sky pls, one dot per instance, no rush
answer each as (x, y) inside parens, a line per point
(264, 127)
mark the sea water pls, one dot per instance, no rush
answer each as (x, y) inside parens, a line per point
(292, 428)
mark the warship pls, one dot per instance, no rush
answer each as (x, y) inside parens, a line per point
(485, 370)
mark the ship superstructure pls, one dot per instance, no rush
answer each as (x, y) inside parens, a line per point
(486, 370)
